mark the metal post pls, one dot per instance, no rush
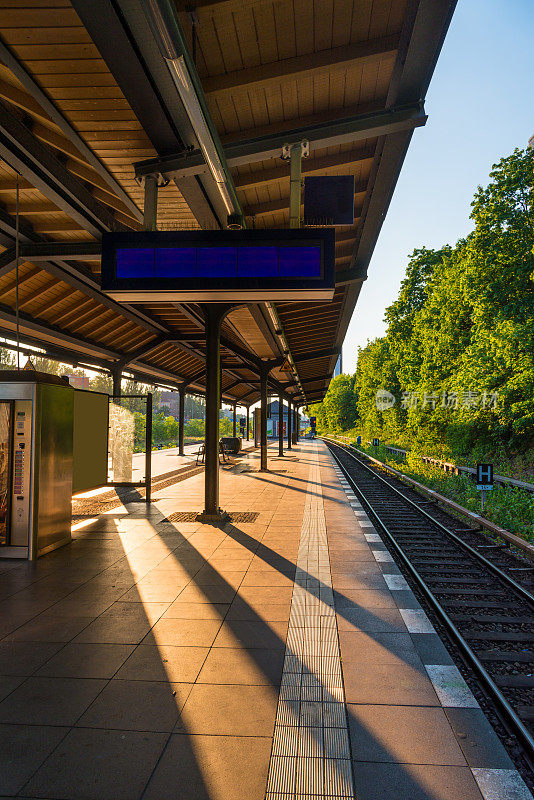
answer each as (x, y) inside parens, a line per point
(280, 425)
(295, 422)
(235, 422)
(181, 422)
(288, 425)
(295, 181)
(116, 374)
(211, 489)
(213, 315)
(248, 423)
(263, 420)
(150, 214)
(148, 448)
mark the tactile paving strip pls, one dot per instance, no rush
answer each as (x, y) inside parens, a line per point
(311, 755)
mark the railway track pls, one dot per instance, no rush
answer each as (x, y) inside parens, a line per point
(479, 589)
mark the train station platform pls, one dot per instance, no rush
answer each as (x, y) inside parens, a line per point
(280, 656)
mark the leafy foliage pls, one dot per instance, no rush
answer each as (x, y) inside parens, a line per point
(338, 410)
(460, 336)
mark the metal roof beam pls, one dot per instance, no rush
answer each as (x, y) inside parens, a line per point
(357, 54)
(182, 345)
(419, 51)
(26, 321)
(141, 351)
(38, 164)
(108, 27)
(317, 354)
(73, 251)
(282, 204)
(309, 165)
(316, 380)
(323, 134)
(8, 225)
(55, 115)
(232, 386)
(7, 261)
(76, 278)
(92, 290)
(85, 348)
(351, 275)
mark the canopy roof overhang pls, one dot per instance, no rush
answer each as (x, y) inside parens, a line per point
(89, 107)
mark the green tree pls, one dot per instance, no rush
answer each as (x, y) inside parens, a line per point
(195, 428)
(226, 426)
(462, 330)
(340, 403)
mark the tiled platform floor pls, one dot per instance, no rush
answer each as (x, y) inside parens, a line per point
(145, 659)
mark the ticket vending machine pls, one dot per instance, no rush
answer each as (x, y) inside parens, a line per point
(36, 444)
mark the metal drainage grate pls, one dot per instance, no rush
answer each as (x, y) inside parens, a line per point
(191, 516)
(244, 516)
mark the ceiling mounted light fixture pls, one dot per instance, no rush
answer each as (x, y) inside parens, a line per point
(160, 17)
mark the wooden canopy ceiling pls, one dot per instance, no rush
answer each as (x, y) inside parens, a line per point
(85, 95)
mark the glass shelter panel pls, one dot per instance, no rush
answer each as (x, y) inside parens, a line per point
(127, 449)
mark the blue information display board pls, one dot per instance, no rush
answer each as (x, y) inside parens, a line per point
(214, 266)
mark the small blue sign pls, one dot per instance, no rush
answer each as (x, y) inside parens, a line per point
(485, 477)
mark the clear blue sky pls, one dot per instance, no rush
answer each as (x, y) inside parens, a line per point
(480, 106)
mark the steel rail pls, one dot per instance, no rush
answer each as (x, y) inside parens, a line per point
(507, 713)
(504, 480)
(494, 530)
(524, 593)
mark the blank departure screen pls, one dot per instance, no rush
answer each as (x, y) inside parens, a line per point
(268, 261)
(138, 263)
(258, 262)
(217, 262)
(300, 262)
(176, 262)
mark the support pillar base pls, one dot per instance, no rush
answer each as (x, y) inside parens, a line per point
(213, 519)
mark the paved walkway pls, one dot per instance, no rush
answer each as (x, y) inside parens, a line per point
(159, 658)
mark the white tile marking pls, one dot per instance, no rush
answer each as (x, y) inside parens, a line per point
(396, 582)
(383, 556)
(372, 537)
(501, 784)
(450, 687)
(416, 621)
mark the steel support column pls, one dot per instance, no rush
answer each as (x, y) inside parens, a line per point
(181, 422)
(263, 420)
(150, 215)
(248, 423)
(295, 433)
(280, 425)
(148, 448)
(295, 181)
(116, 374)
(234, 422)
(214, 314)
(288, 425)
